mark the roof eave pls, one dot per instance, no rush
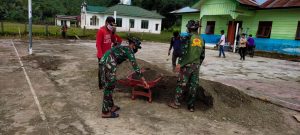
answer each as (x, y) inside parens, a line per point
(266, 8)
(186, 12)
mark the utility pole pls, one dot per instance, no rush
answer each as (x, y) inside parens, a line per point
(30, 27)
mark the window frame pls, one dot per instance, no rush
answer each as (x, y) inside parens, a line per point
(143, 24)
(131, 23)
(263, 26)
(298, 31)
(119, 22)
(213, 23)
(156, 27)
(94, 21)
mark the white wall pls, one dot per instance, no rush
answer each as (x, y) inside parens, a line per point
(138, 24)
(125, 23)
(85, 20)
(58, 22)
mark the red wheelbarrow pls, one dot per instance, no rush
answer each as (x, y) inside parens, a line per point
(135, 84)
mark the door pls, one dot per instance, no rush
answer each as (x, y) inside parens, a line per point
(231, 31)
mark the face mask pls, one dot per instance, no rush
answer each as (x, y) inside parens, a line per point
(109, 27)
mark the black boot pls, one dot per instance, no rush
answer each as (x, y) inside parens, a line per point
(191, 108)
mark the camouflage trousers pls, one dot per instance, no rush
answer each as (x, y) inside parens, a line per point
(108, 81)
(188, 77)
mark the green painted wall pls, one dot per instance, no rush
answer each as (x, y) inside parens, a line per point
(218, 7)
(284, 26)
(285, 22)
(221, 23)
(186, 17)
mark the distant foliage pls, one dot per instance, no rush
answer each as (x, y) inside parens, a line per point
(45, 10)
(164, 7)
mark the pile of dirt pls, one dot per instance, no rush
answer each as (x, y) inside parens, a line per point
(215, 101)
(149, 75)
(44, 62)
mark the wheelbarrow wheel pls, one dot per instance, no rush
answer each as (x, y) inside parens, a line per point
(150, 100)
(132, 97)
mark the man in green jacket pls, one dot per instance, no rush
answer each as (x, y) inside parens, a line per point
(109, 62)
(188, 66)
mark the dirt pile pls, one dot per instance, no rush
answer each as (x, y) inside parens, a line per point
(149, 75)
(214, 100)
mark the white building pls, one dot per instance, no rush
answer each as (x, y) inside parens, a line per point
(129, 18)
(61, 20)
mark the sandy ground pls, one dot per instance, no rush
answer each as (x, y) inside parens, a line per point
(63, 77)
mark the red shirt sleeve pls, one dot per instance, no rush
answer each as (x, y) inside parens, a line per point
(118, 38)
(99, 42)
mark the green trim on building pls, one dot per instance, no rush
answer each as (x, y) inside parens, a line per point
(96, 9)
(125, 10)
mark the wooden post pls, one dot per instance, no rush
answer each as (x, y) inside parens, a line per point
(46, 30)
(236, 32)
(25, 28)
(2, 27)
(84, 29)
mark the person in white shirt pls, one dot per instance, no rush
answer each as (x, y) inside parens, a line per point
(221, 44)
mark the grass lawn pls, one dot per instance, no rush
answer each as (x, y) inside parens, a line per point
(39, 31)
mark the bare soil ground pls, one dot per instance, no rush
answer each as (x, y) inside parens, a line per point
(64, 75)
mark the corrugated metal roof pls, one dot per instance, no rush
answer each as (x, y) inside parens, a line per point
(244, 2)
(185, 10)
(125, 10)
(134, 11)
(95, 8)
(280, 3)
(249, 2)
(67, 17)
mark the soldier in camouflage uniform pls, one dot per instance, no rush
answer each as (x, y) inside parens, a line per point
(193, 48)
(113, 57)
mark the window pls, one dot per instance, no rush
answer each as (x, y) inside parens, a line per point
(264, 29)
(298, 31)
(94, 21)
(131, 23)
(119, 22)
(63, 22)
(156, 27)
(145, 24)
(210, 27)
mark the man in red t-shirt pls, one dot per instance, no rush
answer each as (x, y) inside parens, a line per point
(104, 41)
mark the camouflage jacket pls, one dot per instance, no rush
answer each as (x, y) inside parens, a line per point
(118, 54)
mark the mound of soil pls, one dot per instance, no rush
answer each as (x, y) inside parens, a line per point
(149, 75)
(44, 62)
(214, 100)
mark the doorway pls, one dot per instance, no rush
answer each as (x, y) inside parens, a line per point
(231, 30)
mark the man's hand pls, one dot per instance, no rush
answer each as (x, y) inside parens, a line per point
(177, 68)
(169, 52)
(145, 83)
